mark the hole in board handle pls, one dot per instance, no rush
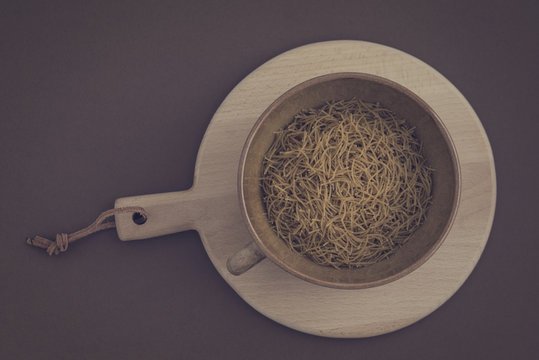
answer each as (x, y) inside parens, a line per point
(139, 218)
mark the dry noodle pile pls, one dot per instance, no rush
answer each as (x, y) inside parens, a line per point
(346, 184)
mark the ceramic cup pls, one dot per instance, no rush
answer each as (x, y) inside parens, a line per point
(438, 150)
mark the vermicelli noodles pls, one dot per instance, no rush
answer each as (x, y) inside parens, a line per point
(346, 184)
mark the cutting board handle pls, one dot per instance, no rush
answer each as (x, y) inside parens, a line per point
(167, 213)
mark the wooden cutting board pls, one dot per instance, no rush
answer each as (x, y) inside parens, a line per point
(211, 206)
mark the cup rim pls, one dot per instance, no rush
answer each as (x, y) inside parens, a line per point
(362, 76)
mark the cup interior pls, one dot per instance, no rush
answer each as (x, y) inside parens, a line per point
(437, 149)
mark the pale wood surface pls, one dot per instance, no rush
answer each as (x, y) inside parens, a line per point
(211, 206)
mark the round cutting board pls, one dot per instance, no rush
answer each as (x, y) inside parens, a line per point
(211, 206)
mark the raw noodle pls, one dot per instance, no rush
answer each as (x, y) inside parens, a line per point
(346, 184)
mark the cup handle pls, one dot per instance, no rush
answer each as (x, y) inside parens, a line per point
(244, 259)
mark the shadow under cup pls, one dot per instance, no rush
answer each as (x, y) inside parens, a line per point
(437, 150)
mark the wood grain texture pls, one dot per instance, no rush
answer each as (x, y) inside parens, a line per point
(211, 206)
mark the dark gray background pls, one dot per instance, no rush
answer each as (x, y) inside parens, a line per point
(104, 99)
